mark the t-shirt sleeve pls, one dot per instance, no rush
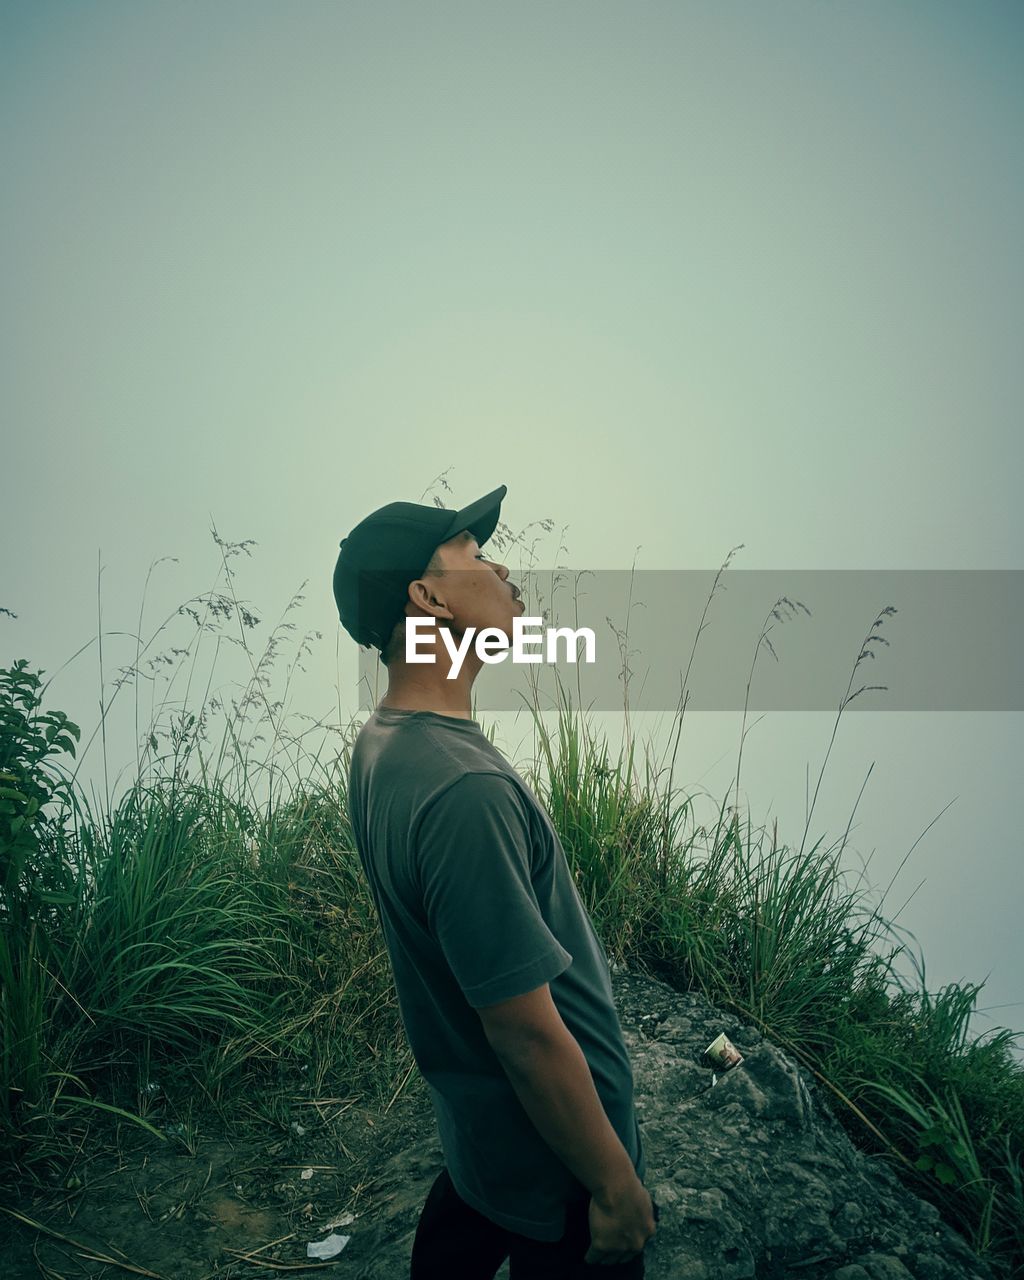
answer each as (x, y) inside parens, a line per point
(473, 857)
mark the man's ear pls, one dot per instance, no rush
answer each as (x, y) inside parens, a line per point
(423, 597)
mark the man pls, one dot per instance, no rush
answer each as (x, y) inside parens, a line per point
(503, 985)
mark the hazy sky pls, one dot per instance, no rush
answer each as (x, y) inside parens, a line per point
(681, 275)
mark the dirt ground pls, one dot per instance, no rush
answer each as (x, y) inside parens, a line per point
(213, 1202)
(754, 1175)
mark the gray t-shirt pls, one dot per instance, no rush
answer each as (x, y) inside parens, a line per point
(477, 904)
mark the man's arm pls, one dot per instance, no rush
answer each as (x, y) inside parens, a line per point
(548, 1071)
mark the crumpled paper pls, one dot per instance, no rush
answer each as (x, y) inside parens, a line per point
(327, 1248)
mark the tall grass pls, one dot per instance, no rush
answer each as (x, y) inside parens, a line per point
(211, 930)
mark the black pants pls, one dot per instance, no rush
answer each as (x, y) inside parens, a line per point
(455, 1242)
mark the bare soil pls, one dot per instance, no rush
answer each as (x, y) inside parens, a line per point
(218, 1202)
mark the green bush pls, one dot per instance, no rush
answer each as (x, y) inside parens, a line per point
(35, 881)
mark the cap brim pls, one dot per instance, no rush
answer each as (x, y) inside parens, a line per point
(480, 517)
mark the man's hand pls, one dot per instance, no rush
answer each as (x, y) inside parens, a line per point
(621, 1223)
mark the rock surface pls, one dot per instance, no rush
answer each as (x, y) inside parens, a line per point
(754, 1177)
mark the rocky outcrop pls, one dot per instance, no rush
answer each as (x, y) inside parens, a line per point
(754, 1177)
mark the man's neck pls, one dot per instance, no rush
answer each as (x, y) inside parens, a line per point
(425, 688)
(453, 700)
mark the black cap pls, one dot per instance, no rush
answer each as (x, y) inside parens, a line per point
(391, 547)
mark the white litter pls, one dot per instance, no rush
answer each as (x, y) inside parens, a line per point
(306, 1174)
(326, 1248)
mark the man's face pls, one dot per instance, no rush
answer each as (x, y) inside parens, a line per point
(474, 588)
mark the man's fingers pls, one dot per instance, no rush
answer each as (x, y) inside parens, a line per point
(601, 1259)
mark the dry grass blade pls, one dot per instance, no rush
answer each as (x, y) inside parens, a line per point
(86, 1252)
(46, 1272)
(287, 1266)
(399, 1089)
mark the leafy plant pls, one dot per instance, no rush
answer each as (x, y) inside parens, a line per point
(34, 878)
(28, 740)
